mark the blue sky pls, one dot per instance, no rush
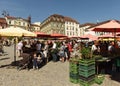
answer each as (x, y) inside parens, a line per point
(82, 10)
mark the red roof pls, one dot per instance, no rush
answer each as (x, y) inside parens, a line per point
(2, 20)
(11, 17)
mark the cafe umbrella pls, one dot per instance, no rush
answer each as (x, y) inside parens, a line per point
(15, 32)
(112, 26)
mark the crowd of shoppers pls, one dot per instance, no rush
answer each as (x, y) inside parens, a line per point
(62, 50)
(44, 51)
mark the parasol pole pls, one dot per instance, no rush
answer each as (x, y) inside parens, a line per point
(15, 50)
(15, 47)
(114, 36)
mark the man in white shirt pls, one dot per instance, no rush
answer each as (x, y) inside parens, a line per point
(95, 48)
(54, 45)
(54, 55)
(19, 48)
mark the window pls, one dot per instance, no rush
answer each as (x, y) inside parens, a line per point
(23, 23)
(19, 23)
(15, 22)
(73, 33)
(73, 28)
(9, 22)
(67, 33)
(76, 29)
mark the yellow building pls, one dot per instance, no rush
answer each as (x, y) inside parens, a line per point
(53, 24)
(18, 21)
(60, 24)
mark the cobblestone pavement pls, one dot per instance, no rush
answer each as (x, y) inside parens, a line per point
(52, 74)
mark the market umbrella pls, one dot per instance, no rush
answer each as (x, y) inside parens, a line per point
(15, 32)
(90, 36)
(107, 26)
(106, 36)
(118, 34)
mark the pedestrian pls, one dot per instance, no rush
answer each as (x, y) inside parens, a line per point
(1, 47)
(45, 51)
(39, 61)
(61, 52)
(35, 61)
(95, 48)
(54, 51)
(19, 48)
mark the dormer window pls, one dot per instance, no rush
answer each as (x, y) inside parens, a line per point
(9, 22)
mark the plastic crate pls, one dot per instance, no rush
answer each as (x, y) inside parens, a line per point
(74, 77)
(75, 81)
(86, 78)
(73, 71)
(86, 83)
(89, 67)
(87, 62)
(73, 68)
(86, 73)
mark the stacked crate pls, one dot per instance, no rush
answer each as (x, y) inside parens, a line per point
(86, 72)
(74, 71)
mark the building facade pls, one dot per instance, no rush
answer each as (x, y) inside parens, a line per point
(3, 23)
(53, 24)
(18, 22)
(60, 24)
(84, 29)
(71, 27)
(35, 27)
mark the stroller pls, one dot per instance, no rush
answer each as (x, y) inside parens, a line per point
(26, 62)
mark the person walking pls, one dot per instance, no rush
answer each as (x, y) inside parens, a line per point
(45, 51)
(19, 48)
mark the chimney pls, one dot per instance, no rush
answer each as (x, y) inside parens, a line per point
(29, 19)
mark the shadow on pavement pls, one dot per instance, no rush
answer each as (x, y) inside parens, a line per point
(2, 66)
(116, 76)
(11, 65)
(5, 58)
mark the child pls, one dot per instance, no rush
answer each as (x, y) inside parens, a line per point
(39, 60)
(35, 61)
(62, 53)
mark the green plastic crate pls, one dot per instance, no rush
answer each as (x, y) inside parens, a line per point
(73, 68)
(87, 62)
(86, 83)
(74, 77)
(86, 78)
(75, 81)
(87, 67)
(73, 71)
(87, 73)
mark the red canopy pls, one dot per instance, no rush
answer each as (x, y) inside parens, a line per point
(41, 34)
(106, 36)
(109, 26)
(57, 35)
(90, 36)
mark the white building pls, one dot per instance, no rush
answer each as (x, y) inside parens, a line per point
(84, 29)
(35, 27)
(18, 21)
(71, 27)
(60, 24)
